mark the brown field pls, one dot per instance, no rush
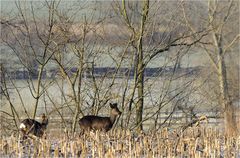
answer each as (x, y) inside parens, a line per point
(193, 142)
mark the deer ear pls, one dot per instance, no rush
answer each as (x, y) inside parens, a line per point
(44, 115)
(111, 105)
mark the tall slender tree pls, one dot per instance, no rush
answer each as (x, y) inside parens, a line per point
(222, 39)
(143, 26)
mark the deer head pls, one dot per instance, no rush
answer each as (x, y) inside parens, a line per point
(44, 121)
(114, 109)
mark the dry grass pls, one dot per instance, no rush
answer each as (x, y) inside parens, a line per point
(194, 142)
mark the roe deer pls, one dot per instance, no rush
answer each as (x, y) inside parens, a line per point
(33, 127)
(92, 122)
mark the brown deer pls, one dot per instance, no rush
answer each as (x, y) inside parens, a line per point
(30, 127)
(92, 122)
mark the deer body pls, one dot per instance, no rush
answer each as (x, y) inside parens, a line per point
(92, 122)
(33, 127)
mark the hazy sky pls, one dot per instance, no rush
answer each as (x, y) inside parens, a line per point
(9, 6)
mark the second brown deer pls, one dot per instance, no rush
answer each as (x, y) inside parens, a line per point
(33, 128)
(92, 122)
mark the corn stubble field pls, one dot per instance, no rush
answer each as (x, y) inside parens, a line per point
(193, 142)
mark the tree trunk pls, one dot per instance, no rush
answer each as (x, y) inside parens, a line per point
(140, 68)
(227, 106)
(78, 97)
(37, 94)
(229, 118)
(140, 89)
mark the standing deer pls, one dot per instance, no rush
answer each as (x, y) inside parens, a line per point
(30, 127)
(92, 122)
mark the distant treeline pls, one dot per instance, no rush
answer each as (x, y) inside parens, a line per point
(104, 71)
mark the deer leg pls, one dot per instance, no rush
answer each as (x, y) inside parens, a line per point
(23, 136)
(22, 139)
(81, 133)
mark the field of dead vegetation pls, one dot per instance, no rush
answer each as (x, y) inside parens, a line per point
(192, 142)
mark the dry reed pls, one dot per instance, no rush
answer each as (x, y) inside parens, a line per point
(193, 142)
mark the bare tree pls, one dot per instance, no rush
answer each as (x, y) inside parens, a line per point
(221, 18)
(30, 42)
(143, 27)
